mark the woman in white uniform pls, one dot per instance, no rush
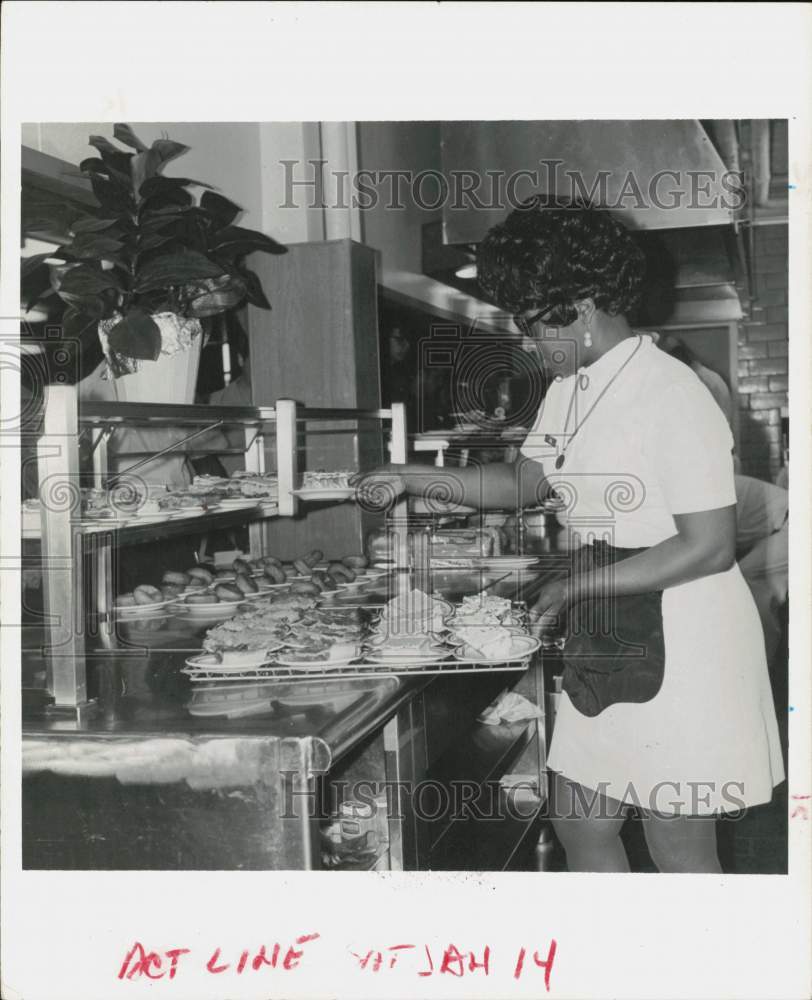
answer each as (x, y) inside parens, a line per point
(666, 704)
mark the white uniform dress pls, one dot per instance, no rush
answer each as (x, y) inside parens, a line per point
(657, 445)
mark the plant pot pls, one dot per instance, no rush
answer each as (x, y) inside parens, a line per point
(172, 377)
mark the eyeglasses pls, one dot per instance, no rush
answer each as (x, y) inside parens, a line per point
(558, 316)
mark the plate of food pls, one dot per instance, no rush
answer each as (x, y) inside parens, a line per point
(395, 656)
(207, 604)
(237, 503)
(504, 562)
(321, 485)
(144, 600)
(232, 660)
(318, 653)
(490, 644)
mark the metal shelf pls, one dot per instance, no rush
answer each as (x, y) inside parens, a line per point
(64, 540)
(357, 671)
(132, 533)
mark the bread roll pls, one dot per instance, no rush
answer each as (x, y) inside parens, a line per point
(321, 579)
(356, 562)
(226, 592)
(245, 584)
(171, 590)
(242, 565)
(202, 599)
(314, 557)
(200, 573)
(147, 594)
(269, 561)
(175, 578)
(125, 601)
(338, 571)
(197, 583)
(301, 567)
(275, 573)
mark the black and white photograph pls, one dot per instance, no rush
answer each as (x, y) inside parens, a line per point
(404, 509)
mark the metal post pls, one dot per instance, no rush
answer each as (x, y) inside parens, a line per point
(62, 576)
(255, 462)
(400, 514)
(286, 456)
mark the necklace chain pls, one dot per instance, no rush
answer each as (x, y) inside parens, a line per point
(560, 460)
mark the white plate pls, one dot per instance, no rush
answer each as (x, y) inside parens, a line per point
(190, 511)
(373, 573)
(229, 661)
(505, 562)
(311, 664)
(401, 658)
(520, 647)
(137, 610)
(207, 609)
(327, 493)
(237, 503)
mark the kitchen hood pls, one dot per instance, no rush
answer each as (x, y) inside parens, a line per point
(652, 174)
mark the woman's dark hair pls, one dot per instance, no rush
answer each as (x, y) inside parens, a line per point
(546, 256)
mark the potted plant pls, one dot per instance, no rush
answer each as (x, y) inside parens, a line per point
(144, 268)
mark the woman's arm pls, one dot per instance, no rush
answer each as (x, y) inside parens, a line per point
(705, 543)
(496, 485)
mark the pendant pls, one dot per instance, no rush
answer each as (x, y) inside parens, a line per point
(559, 461)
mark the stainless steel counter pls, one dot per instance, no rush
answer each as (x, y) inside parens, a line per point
(147, 756)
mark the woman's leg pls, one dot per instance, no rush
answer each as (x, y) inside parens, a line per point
(588, 825)
(684, 844)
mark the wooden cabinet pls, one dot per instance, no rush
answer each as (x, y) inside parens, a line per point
(319, 346)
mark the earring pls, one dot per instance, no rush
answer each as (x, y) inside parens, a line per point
(587, 337)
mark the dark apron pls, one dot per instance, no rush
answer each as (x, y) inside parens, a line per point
(615, 649)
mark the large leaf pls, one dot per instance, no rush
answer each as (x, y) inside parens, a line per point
(112, 197)
(166, 150)
(117, 160)
(160, 218)
(223, 210)
(78, 325)
(160, 183)
(237, 241)
(253, 289)
(126, 135)
(93, 247)
(35, 282)
(90, 225)
(172, 197)
(175, 269)
(83, 280)
(149, 241)
(217, 295)
(136, 336)
(150, 162)
(33, 263)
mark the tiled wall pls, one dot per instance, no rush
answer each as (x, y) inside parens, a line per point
(763, 358)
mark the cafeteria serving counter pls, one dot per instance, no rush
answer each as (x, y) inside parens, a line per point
(163, 776)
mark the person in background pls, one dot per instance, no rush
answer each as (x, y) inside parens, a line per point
(762, 551)
(712, 381)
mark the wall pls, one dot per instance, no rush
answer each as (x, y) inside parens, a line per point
(764, 356)
(397, 233)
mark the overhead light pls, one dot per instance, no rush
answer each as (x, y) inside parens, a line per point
(466, 271)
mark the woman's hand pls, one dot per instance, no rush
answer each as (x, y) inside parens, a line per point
(551, 604)
(379, 488)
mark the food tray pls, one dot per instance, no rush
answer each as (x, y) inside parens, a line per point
(323, 671)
